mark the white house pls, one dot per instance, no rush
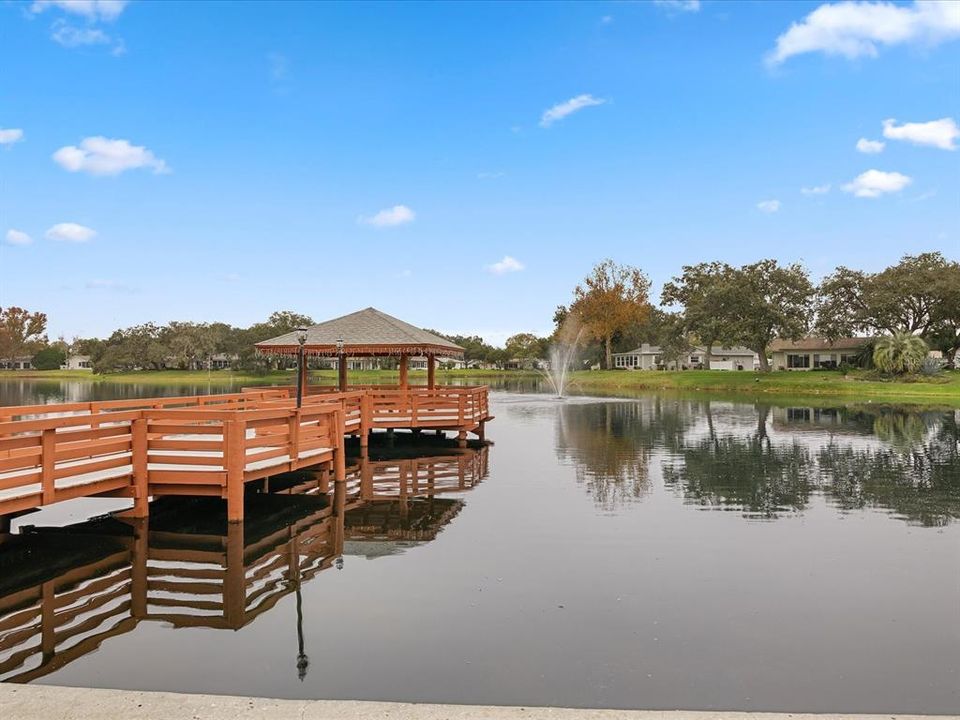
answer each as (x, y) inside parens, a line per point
(648, 357)
(77, 362)
(21, 362)
(814, 353)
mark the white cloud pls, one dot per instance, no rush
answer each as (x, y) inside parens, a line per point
(606, 19)
(568, 107)
(89, 9)
(507, 265)
(71, 37)
(490, 175)
(18, 237)
(816, 189)
(8, 136)
(870, 147)
(857, 29)
(103, 156)
(874, 183)
(937, 133)
(390, 217)
(768, 206)
(681, 5)
(71, 232)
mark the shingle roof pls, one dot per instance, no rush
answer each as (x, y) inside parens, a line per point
(819, 343)
(368, 332)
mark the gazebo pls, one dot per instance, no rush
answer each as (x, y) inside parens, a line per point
(372, 333)
(365, 333)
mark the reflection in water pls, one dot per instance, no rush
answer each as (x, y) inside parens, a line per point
(64, 591)
(767, 461)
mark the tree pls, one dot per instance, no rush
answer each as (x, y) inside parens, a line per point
(673, 340)
(49, 358)
(611, 299)
(770, 302)
(21, 331)
(899, 353)
(526, 346)
(708, 294)
(918, 295)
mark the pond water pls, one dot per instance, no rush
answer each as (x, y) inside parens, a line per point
(654, 552)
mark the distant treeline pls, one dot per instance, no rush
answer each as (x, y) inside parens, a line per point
(712, 304)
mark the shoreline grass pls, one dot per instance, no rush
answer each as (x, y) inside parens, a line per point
(944, 388)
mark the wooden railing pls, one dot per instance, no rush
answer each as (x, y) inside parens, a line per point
(457, 408)
(199, 448)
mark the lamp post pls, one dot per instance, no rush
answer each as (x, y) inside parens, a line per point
(301, 375)
(341, 365)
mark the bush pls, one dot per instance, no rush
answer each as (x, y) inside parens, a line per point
(899, 353)
(930, 366)
(50, 358)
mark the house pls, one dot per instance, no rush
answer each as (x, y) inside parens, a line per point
(420, 363)
(21, 362)
(648, 357)
(77, 362)
(480, 365)
(816, 353)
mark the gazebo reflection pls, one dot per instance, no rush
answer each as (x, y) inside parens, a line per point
(65, 591)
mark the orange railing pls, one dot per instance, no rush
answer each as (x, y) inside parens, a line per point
(199, 448)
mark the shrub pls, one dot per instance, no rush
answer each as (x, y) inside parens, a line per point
(899, 353)
(930, 366)
(50, 358)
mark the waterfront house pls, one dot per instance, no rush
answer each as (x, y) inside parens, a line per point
(649, 357)
(816, 353)
(77, 362)
(20, 362)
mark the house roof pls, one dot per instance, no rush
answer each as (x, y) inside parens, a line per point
(655, 350)
(819, 343)
(365, 333)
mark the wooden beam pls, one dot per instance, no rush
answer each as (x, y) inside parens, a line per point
(431, 371)
(403, 371)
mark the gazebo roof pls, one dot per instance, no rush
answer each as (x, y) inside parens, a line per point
(365, 333)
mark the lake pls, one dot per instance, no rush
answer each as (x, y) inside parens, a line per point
(657, 552)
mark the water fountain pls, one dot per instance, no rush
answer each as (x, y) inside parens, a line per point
(562, 352)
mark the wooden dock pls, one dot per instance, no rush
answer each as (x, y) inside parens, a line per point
(209, 445)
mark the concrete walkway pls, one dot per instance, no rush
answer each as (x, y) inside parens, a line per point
(44, 702)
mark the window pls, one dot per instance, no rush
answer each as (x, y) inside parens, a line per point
(849, 359)
(828, 360)
(694, 359)
(798, 361)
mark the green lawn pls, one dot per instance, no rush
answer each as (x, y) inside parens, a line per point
(943, 389)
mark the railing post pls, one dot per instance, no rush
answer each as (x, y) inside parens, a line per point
(294, 438)
(365, 418)
(235, 460)
(139, 446)
(339, 449)
(48, 460)
(235, 577)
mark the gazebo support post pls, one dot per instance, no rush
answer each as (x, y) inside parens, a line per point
(431, 371)
(403, 372)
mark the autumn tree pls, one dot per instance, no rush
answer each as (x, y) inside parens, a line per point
(770, 302)
(611, 299)
(21, 331)
(708, 294)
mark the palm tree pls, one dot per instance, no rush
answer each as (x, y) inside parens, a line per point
(899, 353)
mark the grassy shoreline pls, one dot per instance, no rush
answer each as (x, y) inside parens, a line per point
(943, 389)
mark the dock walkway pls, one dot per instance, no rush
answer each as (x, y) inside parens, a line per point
(208, 445)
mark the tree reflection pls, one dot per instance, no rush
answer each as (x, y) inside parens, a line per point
(751, 474)
(716, 456)
(919, 483)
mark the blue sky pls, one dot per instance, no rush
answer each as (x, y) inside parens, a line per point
(235, 159)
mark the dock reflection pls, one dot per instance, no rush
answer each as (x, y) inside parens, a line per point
(65, 591)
